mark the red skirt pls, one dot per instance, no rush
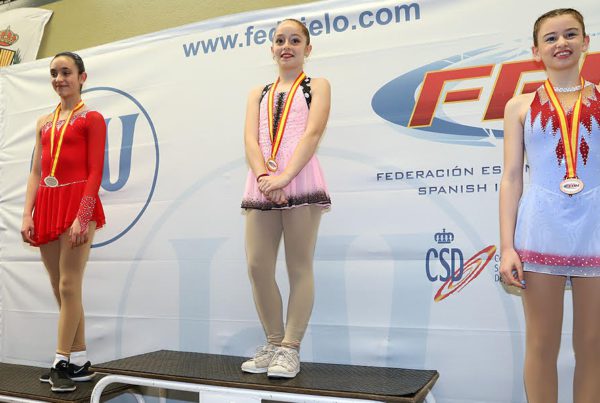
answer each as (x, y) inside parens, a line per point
(56, 209)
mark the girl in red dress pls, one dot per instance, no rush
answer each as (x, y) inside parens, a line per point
(62, 209)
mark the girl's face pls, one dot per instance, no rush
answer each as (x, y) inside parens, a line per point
(66, 79)
(289, 46)
(560, 42)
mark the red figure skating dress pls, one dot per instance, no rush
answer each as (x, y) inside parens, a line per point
(79, 174)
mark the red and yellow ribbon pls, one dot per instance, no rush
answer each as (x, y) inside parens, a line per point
(62, 134)
(570, 138)
(276, 137)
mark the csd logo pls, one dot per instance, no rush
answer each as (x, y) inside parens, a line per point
(450, 259)
(131, 160)
(455, 273)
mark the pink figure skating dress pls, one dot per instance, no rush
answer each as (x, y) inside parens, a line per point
(308, 187)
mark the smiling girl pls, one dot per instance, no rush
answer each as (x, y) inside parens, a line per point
(62, 209)
(551, 231)
(285, 195)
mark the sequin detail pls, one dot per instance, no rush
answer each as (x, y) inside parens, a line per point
(558, 260)
(590, 112)
(584, 149)
(86, 209)
(60, 123)
(306, 90)
(560, 151)
(281, 97)
(319, 198)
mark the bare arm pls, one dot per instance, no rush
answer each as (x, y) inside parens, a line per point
(253, 153)
(33, 182)
(511, 187)
(317, 121)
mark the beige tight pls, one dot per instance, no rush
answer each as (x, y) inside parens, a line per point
(65, 266)
(543, 303)
(299, 227)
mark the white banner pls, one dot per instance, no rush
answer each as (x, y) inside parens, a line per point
(21, 32)
(406, 261)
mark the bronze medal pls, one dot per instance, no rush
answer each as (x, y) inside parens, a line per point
(571, 186)
(271, 165)
(276, 137)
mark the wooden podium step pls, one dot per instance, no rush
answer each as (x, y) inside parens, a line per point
(22, 382)
(394, 385)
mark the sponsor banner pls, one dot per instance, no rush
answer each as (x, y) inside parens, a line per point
(407, 259)
(21, 32)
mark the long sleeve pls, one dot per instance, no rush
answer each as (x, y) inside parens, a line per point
(96, 140)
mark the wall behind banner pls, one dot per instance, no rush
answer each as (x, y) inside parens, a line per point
(80, 24)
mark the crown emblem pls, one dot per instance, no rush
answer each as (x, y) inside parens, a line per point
(444, 237)
(8, 37)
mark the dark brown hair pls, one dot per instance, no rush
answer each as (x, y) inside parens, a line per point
(76, 59)
(555, 13)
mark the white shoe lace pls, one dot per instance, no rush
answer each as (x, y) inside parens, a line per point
(263, 351)
(285, 357)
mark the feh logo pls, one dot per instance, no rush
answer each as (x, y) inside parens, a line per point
(437, 99)
(131, 161)
(447, 264)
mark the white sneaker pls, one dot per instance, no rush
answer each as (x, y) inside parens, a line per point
(285, 363)
(260, 362)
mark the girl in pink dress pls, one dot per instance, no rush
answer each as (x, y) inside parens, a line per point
(285, 195)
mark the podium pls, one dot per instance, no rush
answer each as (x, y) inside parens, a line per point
(219, 374)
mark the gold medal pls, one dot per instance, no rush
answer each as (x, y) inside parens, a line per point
(571, 184)
(276, 137)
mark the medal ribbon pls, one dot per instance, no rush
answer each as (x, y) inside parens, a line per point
(62, 134)
(570, 139)
(276, 137)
